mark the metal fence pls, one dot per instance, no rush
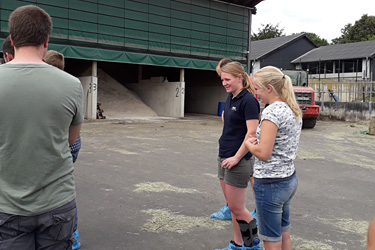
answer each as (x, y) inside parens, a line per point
(349, 92)
(363, 91)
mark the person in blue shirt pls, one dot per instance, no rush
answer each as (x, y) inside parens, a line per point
(235, 162)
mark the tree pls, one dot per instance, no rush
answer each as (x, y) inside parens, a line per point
(362, 30)
(344, 32)
(316, 39)
(268, 31)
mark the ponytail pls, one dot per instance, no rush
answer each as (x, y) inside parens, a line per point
(247, 83)
(282, 85)
(287, 95)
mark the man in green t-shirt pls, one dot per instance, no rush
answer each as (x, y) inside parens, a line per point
(41, 116)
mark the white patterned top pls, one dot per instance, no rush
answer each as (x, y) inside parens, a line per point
(280, 164)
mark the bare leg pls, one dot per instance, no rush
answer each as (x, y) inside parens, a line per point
(252, 184)
(371, 235)
(252, 181)
(237, 238)
(236, 198)
(224, 213)
(272, 245)
(222, 183)
(284, 244)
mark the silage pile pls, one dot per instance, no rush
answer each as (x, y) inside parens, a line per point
(118, 102)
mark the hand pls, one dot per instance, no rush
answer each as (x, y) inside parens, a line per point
(252, 140)
(250, 143)
(229, 163)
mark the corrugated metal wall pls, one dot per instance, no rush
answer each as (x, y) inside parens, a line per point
(201, 31)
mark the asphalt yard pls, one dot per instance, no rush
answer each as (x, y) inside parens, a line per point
(151, 184)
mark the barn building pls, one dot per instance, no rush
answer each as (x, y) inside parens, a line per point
(160, 52)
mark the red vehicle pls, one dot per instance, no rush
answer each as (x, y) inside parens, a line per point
(305, 97)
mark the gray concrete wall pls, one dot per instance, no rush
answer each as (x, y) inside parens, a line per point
(90, 88)
(165, 98)
(347, 111)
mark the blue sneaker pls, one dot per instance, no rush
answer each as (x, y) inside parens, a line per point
(222, 214)
(76, 244)
(231, 247)
(257, 247)
(254, 214)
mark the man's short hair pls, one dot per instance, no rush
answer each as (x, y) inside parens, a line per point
(7, 46)
(29, 25)
(54, 58)
(221, 64)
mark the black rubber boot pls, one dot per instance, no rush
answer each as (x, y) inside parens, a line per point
(249, 232)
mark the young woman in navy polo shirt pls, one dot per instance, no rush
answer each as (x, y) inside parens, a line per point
(275, 148)
(224, 213)
(235, 162)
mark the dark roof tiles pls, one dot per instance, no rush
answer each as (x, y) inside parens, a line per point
(261, 48)
(339, 52)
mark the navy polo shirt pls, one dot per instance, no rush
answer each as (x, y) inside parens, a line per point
(236, 112)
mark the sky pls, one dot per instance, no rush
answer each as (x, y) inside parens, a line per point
(325, 18)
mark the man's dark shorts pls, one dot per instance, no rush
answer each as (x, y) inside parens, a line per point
(48, 231)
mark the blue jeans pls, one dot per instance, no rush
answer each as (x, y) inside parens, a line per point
(75, 155)
(49, 231)
(272, 203)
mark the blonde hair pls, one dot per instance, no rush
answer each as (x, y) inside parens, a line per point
(54, 58)
(282, 86)
(236, 69)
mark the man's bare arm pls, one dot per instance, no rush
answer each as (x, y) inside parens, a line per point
(73, 133)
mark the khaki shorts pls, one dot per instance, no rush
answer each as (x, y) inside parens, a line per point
(239, 175)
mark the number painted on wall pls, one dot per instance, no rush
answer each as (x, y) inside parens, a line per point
(178, 91)
(92, 87)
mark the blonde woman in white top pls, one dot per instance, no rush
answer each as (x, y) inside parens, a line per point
(275, 148)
